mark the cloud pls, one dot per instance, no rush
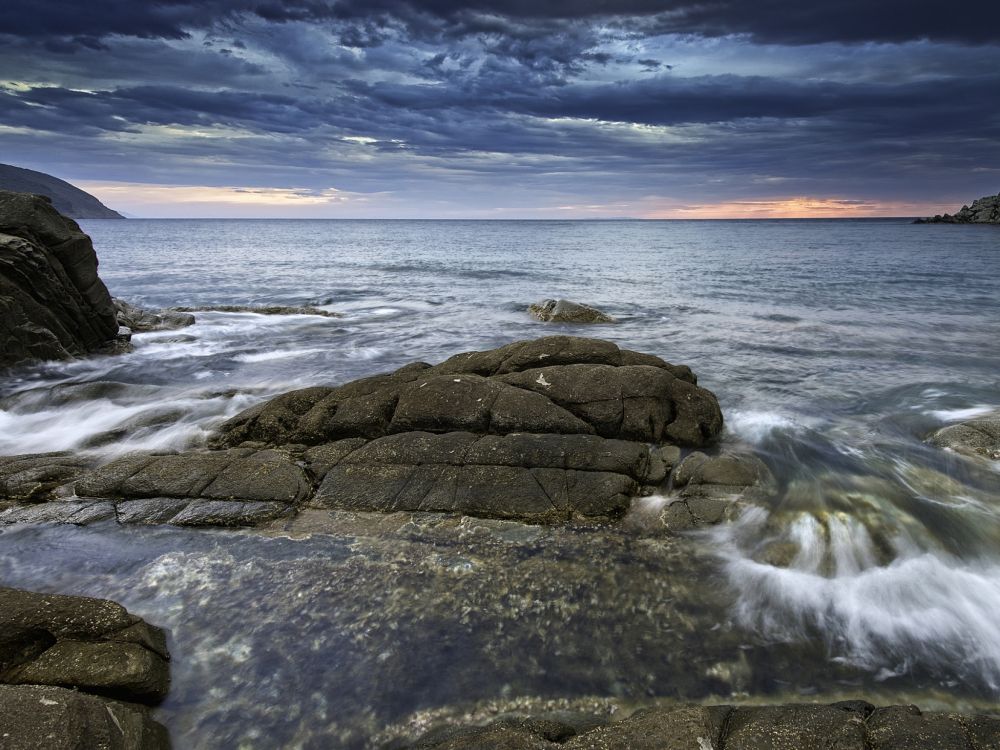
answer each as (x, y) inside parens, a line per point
(508, 106)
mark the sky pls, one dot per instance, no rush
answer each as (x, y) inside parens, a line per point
(506, 108)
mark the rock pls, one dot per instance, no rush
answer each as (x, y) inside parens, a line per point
(34, 717)
(138, 320)
(564, 311)
(228, 513)
(848, 725)
(709, 486)
(80, 513)
(904, 727)
(89, 644)
(726, 474)
(503, 734)
(239, 474)
(557, 384)
(698, 728)
(978, 438)
(795, 726)
(53, 305)
(539, 478)
(540, 431)
(36, 477)
(260, 310)
(983, 211)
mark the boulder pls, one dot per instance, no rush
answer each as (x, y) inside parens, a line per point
(557, 384)
(983, 211)
(34, 717)
(977, 438)
(89, 644)
(564, 311)
(53, 305)
(138, 320)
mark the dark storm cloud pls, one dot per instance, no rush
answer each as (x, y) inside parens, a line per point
(544, 99)
(365, 22)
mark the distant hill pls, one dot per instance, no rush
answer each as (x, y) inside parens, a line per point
(67, 199)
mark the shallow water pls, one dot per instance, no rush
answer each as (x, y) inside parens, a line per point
(834, 347)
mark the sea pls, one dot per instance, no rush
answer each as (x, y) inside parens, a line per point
(835, 348)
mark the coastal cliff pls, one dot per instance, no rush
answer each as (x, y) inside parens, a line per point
(67, 199)
(53, 305)
(983, 211)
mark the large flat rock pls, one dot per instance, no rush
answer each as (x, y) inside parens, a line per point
(539, 431)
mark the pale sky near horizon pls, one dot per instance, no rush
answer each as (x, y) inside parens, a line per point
(506, 108)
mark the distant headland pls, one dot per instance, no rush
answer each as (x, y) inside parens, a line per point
(983, 211)
(67, 199)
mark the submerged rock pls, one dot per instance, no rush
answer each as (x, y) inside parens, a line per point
(978, 438)
(139, 320)
(564, 311)
(849, 725)
(983, 211)
(259, 310)
(53, 305)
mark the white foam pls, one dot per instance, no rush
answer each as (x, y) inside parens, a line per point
(756, 426)
(954, 415)
(274, 355)
(925, 608)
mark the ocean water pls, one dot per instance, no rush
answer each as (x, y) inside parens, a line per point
(835, 348)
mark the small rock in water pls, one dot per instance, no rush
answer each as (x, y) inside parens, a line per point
(138, 320)
(565, 311)
(978, 438)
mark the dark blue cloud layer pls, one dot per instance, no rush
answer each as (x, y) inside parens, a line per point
(567, 99)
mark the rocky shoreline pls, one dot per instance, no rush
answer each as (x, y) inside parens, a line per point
(983, 211)
(525, 441)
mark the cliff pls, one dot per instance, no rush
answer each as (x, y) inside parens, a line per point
(67, 199)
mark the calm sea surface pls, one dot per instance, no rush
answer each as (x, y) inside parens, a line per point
(835, 347)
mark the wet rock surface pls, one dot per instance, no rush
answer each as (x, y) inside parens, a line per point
(34, 717)
(139, 320)
(78, 674)
(565, 311)
(541, 431)
(849, 725)
(709, 489)
(53, 305)
(77, 642)
(978, 438)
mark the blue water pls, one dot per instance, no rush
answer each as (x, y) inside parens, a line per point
(835, 348)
